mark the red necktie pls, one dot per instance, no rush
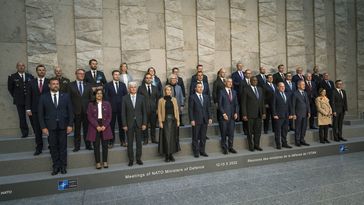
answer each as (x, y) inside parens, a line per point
(40, 85)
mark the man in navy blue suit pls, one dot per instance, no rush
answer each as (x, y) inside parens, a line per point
(56, 121)
(35, 89)
(311, 90)
(114, 92)
(299, 75)
(262, 78)
(244, 83)
(229, 109)
(290, 89)
(300, 111)
(199, 79)
(95, 77)
(238, 76)
(281, 111)
(328, 85)
(200, 117)
(269, 89)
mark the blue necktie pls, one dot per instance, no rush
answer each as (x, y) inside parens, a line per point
(256, 92)
(80, 88)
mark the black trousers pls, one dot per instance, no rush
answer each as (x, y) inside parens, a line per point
(81, 120)
(227, 127)
(151, 122)
(254, 132)
(280, 131)
(313, 113)
(58, 147)
(323, 132)
(104, 144)
(300, 129)
(116, 118)
(337, 126)
(134, 132)
(23, 120)
(37, 131)
(269, 117)
(199, 138)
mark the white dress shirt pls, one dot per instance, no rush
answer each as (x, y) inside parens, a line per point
(99, 110)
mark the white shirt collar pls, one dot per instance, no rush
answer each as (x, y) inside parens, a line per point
(41, 79)
(57, 93)
(227, 90)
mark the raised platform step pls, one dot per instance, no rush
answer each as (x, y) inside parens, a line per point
(10, 162)
(23, 185)
(354, 122)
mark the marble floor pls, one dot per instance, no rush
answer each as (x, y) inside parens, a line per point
(335, 179)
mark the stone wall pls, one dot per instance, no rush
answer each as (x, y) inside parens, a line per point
(182, 33)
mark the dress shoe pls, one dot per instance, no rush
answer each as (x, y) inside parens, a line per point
(204, 154)
(145, 142)
(342, 139)
(207, 138)
(139, 162)
(76, 150)
(24, 136)
(322, 142)
(313, 128)
(336, 140)
(251, 149)
(258, 148)
(98, 165)
(224, 151)
(297, 144)
(279, 147)
(37, 152)
(286, 146)
(130, 163)
(232, 150)
(154, 142)
(327, 141)
(55, 171)
(63, 170)
(171, 158)
(305, 144)
(89, 148)
(105, 165)
(123, 144)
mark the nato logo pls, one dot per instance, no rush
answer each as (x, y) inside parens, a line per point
(63, 185)
(342, 148)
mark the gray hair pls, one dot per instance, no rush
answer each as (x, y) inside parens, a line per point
(132, 84)
(172, 76)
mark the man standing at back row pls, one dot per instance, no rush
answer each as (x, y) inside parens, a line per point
(339, 107)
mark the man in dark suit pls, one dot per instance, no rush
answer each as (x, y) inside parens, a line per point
(290, 89)
(35, 89)
(328, 85)
(134, 121)
(311, 90)
(279, 76)
(339, 107)
(114, 92)
(299, 75)
(180, 82)
(200, 117)
(238, 76)
(219, 84)
(17, 87)
(151, 97)
(81, 94)
(199, 79)
(301, 111)
(253, 111)
(317, 76)
(63, 81)
(262, 78)
(244, 83)
(199, 67)
(281, 111)
(228, 109)
(269, 90)
(56, 120)
(95, 77)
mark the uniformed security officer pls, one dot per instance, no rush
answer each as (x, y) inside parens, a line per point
(63, 81)
(17, 86)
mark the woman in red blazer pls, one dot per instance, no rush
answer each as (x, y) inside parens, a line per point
(99, 117)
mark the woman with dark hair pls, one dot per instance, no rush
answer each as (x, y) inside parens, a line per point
(125, 77)
(155, 81)
(99, 130)
(324, 114)
(168, 117)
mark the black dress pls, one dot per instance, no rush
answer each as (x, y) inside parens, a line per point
(168, 138)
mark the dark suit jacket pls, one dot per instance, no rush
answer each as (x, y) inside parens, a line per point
(252, 107)
(317, 78)
(204, 79)
(151, 102)
(300, 104)
(277, 78)
(158, 83)
(51, 116)
(288, 90)
(237, 80)
(100, 78)
(339, 104)
(328, 89)
(217, 87)
(33, 94)
(279, 107)
(139, 113)
(114, 98)
(18, 88)
(297, 78)
(206, 88)
(311, 92)
(269, 93)
(227, 106)
(198, 112)
(80, 103)
(261, 82)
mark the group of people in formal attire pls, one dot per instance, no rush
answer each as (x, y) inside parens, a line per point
(56, 107)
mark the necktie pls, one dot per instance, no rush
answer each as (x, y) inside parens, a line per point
(309, 84)
(256, 92)
(264, 79)
(248, 81)
(241, 74)
(116, 87)
(230, 96)
(272, 87)
(284, 97)
(80, 89)
(22, 77)
(342, 95)
(302, 93)
(282, 76)
(94, 74)
(40, 85)
(149, 91)
(328, 83)
(201, 100)
(133, 97)
(55, 100)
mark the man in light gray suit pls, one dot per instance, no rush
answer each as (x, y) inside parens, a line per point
(178, 94)
(134, 121)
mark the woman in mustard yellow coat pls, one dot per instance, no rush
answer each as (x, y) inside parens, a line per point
(324, 115)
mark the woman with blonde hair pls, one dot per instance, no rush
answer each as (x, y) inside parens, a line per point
(168, 117)
(324, 115)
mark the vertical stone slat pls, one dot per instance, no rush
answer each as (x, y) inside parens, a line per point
(360, 54)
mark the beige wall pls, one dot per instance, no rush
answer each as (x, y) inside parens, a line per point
(183, 33)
